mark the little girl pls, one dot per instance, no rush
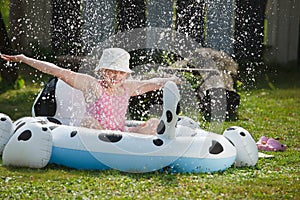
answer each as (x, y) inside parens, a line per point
(106, 98)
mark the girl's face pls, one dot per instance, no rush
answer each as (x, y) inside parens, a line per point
(113, 77)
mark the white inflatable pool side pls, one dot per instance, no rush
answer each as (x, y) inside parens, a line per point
(83, 148)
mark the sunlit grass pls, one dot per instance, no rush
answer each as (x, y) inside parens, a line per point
(17, 103)
(265, 111)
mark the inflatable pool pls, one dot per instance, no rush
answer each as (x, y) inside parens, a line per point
(179, 145)
(83, 148)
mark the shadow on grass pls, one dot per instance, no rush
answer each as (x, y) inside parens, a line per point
(270, 77)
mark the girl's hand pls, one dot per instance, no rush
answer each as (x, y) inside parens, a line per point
(16, 58)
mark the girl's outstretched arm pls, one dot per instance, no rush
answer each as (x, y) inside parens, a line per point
(76, 80)
(141, 87)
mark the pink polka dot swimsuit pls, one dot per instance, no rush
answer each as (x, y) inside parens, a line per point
(110, 110)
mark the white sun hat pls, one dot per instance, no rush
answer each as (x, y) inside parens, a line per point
(114, 59)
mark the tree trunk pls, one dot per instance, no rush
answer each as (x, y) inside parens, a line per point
(190, 19)
(8, 74)
(249, 30)
(131, 14)
(66, 27)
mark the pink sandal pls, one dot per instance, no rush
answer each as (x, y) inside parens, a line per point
(270, 144)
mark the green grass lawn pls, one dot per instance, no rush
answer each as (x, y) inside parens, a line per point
(271, 109)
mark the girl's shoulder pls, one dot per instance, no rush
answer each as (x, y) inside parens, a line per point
(94, 90)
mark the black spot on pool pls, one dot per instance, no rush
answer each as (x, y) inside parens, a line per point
(158, 142)
(73, 133)
(25, 135)
(169, 116)
(216, 147)
(243, 134)
(110, 137)
(19, 126)
(230, 129)
(161, 128)
(178, 108)
(52, 119)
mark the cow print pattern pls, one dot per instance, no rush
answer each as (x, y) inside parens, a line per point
(161, 128)
(158, 142)
(25, 135)
(169, 116)
(216, 148)
(108, 137)
(243, 134)
(73, 134)
(19, 125)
